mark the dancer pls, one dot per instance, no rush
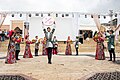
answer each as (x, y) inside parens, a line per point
(100, 55)
(17, 43)
(68, 47)
(10, 59)
(36, 45)
(49, 45)
(77, 45)
(55, 45)
(44, 51)
(111, 44)
(27, 53)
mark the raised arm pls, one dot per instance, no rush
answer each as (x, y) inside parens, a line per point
(54, 25)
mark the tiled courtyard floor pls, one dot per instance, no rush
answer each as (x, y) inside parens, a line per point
(63, 67)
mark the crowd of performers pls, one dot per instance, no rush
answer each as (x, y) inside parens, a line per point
(100, 37)
(50, 46)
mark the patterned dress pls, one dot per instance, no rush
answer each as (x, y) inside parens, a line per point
(100, 55)
(68, 48)
(10, 59)
(55, 45)
(27, 53)
(44, 51)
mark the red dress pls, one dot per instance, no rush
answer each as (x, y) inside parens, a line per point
(55, 47)
(10, 59)
(27, 53)
(44, 51)
(100, 55)
(68, 48)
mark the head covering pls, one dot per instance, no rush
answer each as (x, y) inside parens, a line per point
(11, 33)
(69, 37)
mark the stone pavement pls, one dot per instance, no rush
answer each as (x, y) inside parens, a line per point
(63, 67)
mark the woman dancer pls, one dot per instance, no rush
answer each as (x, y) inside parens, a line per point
(11, 58)
(68, 47)
(44, 51)
(100, 46)
(27, 53)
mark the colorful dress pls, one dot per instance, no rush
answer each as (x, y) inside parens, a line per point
(68, 48)
(27, 53)
(100, 55)
(55, 45)
(44, 51)
(11, 58)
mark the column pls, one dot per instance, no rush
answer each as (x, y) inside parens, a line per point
(75, 25)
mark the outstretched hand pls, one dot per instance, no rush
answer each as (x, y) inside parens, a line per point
(42, 23)
(54, 22)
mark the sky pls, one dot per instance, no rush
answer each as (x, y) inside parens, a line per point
(97, 6)
(84, 6)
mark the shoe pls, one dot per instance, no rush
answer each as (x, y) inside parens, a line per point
(114, 61)
(17, 59)
(109, 60)
(49, 62)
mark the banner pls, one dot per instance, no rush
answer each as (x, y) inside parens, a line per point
(97, 21)
(48, 21)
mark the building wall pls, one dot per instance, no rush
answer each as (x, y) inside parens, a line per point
(86, 27)
(64, 28)
(5, 27)
(20, 24)
(17, 23)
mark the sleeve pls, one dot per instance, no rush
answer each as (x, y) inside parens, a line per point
(29, 42)
(18, 40)
(114, 33)
(102, 38)
(53, 30)
(107, 34)
(54, 26)
(95, 39)
(112, 41)
(44, 30)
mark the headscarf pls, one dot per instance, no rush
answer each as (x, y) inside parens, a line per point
(11, 33)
